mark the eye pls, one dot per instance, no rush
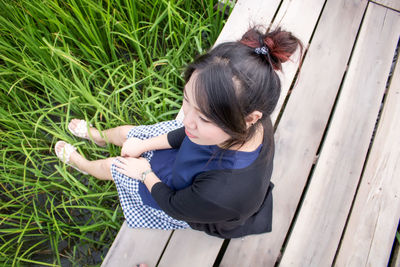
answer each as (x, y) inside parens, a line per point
(203, 119)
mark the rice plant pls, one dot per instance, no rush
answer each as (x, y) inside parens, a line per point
(110, 62)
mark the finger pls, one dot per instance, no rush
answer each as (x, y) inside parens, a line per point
(122, 160)
(122, 171)
(141, 158)
(119, 167)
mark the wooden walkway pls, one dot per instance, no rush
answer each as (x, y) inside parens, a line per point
(337, 161)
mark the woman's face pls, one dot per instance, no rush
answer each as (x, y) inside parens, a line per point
(198, 127)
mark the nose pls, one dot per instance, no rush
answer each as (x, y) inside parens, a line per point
(189, 121)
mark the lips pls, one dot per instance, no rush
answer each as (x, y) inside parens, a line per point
(189, 134)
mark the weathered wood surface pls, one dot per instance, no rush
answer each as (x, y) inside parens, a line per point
(330, 37)
(133, 246)
(301, 127)
(373, 222)
(395, 4)
(288, 19)
(245, 14)
(194, 249)
(316, 235)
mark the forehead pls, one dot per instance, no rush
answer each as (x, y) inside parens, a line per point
(191, 83)
(189, 91)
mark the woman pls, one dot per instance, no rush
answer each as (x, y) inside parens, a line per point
(211, 173)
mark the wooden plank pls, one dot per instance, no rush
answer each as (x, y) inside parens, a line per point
(375, 216)
(319, 226)
(288, 19)
(191, 248)
(301, 128)
(133, 246)
(247, 13)
(394, 4)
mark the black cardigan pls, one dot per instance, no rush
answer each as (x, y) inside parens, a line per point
(224, 203)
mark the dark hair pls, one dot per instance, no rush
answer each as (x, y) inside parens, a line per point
(233, 80)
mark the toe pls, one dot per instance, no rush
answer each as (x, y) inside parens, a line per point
(59, 146)
(73, 123)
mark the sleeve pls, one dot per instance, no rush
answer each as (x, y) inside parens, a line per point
(191, 204)
(175, 137)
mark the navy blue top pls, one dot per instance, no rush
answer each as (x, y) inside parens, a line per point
(177, 167)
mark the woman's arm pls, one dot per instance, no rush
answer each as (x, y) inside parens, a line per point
(134, 147)
(135, 167)
(197, 203)
(192, 204)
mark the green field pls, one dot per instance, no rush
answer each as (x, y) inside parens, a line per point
(111, 62)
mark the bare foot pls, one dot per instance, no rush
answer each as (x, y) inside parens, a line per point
(77, 127)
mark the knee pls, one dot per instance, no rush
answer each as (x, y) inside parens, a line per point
(107, 163)
(106, 169)
(124, 130)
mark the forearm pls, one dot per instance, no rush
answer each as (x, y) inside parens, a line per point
(156, 143)
(151, 180)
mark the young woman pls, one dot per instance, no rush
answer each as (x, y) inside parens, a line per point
(211, 172)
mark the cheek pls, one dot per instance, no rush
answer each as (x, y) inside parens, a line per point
(215, 134)
(184, 107)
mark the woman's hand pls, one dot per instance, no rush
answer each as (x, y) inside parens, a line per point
(132, 167)
(133, 147)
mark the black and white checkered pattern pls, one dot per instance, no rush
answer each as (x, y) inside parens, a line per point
(137, 214)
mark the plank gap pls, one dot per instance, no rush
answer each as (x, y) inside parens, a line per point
(275, 14)
(221, 252)
(292, 86)
(298, 72)
(317, 23)
(295, 216)
(324, 135)
(394, 259)
(385, 6)
(165, 247)
(394, 62)
(341, 85)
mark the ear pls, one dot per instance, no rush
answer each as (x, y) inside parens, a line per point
(253, 117)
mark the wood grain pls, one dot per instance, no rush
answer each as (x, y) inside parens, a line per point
(319, 226)
(395, 4)
(134, 246)
(373, 222)
(191, 248)
(245, 14)
(302, 27)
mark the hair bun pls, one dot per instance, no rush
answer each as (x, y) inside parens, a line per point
(280, 45)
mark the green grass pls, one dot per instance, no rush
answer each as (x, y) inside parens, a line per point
(111, 62)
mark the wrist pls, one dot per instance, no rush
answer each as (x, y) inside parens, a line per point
(151, 180)
(144, 174)
(146, 145)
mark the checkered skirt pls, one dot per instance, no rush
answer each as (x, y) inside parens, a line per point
(137, 214)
